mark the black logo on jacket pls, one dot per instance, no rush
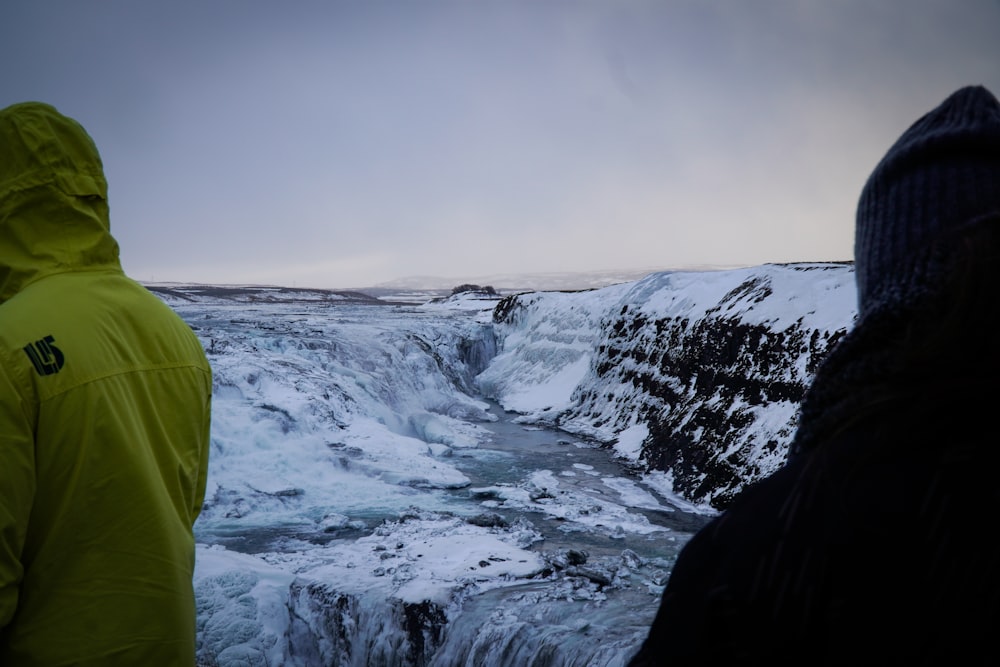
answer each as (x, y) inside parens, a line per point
(46, 357)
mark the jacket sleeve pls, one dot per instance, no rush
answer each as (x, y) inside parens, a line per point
(17, 491)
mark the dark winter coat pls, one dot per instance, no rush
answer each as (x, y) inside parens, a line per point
(874, 545)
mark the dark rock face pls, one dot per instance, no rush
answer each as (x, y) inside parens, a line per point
(330, 627)
(721, 370)
(469, 287)
(715, 384)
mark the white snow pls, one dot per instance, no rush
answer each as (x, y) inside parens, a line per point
(351, 421)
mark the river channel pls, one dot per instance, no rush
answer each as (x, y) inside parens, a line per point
(302, 391)
(582, 470)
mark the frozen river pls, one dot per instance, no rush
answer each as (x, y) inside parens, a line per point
(570, 489)
(367, 506)
(592, 611)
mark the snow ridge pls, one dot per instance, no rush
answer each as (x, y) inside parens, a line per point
(694, 376)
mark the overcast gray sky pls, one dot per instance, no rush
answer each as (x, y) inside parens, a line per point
(344, 144)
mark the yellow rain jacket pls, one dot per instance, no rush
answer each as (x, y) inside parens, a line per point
(104, 422)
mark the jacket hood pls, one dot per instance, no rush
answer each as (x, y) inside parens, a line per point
(53, 198)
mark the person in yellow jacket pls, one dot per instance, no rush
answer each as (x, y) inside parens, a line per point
(105, 397)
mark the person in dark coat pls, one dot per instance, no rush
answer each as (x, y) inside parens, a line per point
(875, 543)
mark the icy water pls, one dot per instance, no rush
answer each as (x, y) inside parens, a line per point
(606, 542)
(564, 623)
(597, 609)
(582, 470)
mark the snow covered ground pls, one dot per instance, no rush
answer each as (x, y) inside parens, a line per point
(369, 504)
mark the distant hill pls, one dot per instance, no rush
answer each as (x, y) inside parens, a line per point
(178, 293)
(507, 283)
(408, 290)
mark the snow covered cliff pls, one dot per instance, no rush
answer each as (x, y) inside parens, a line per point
(694, 376)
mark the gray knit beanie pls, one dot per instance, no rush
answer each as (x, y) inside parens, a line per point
(942, 174)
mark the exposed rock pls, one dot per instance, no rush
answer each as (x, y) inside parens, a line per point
(712, 366)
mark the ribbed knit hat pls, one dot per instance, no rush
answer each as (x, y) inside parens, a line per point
(941, 174)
